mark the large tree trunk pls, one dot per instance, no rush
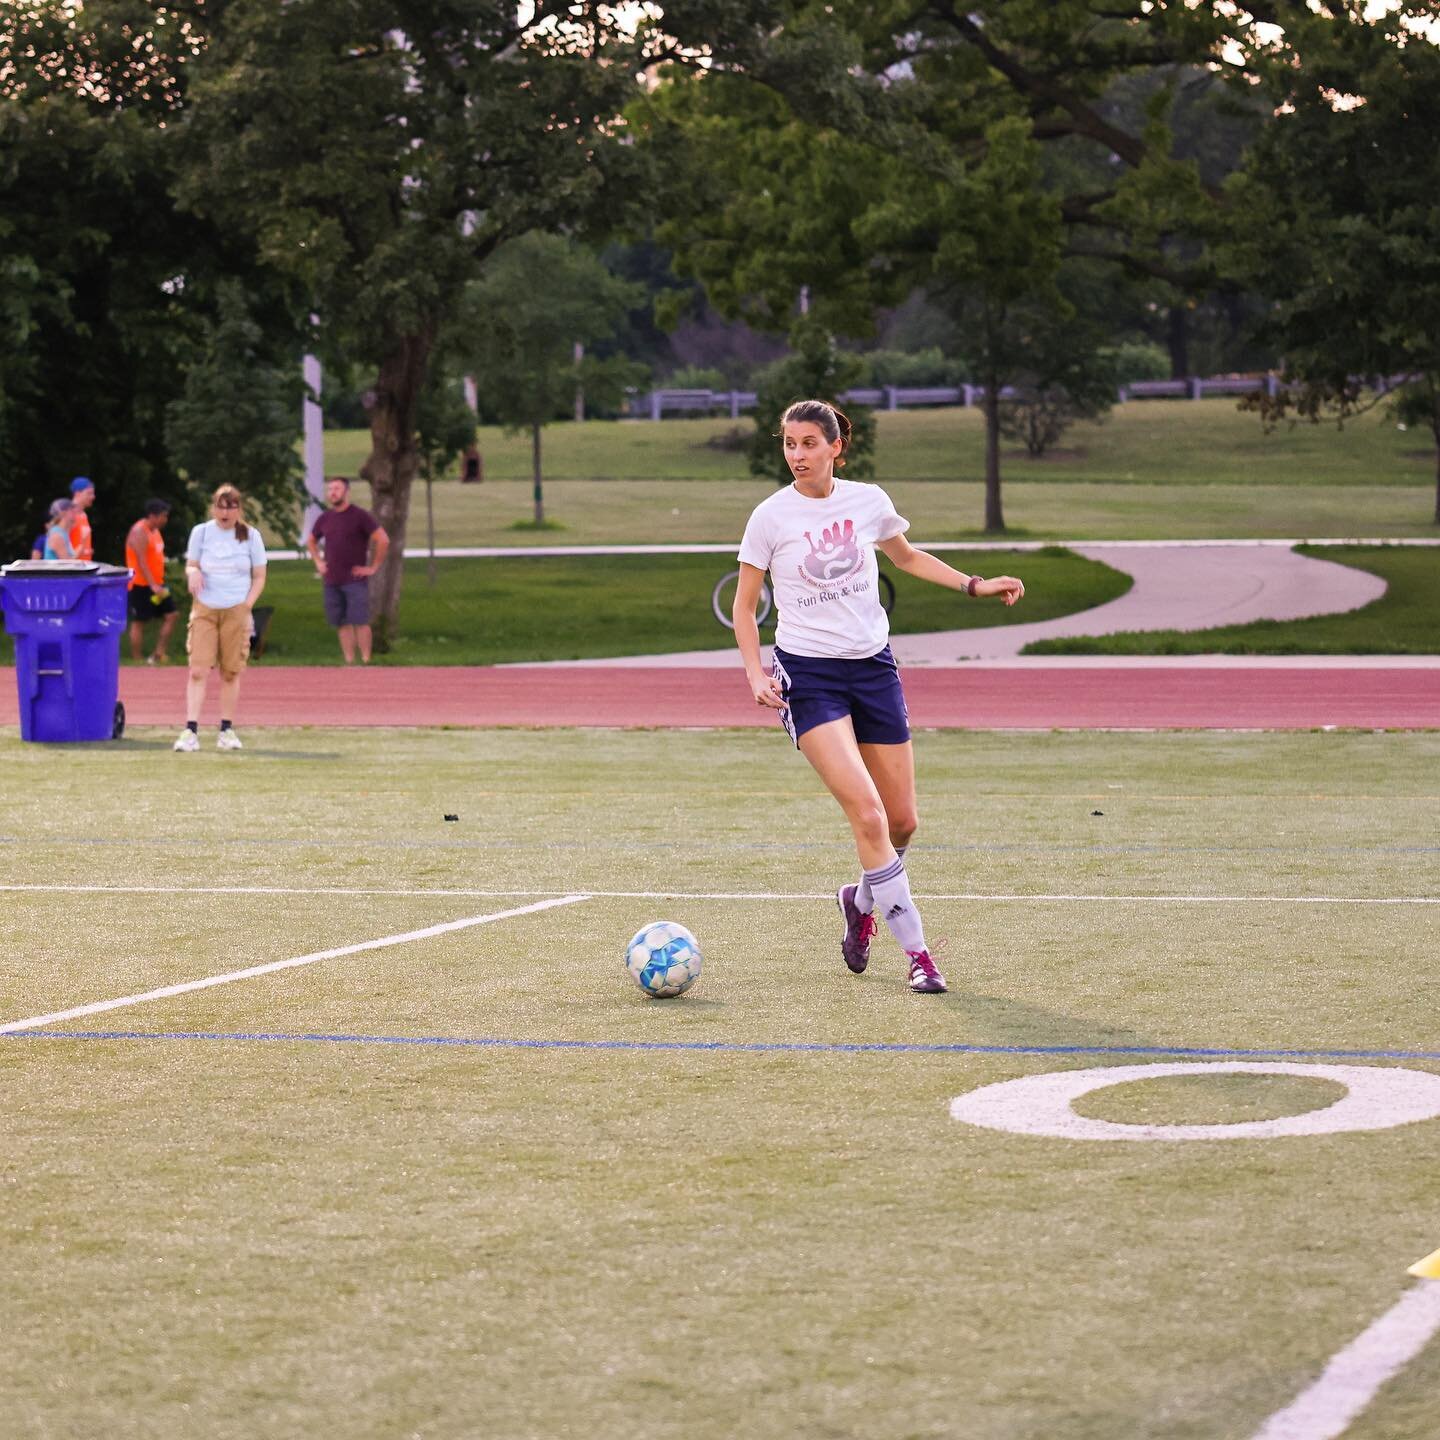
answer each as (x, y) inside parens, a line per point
(393, 464)
(994, 514)
(539, 480)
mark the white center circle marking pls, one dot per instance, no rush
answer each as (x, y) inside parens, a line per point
(1377, 1098)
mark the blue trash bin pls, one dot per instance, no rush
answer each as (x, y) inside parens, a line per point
(67, 617)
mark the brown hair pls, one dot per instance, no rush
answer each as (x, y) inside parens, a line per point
(229, 492)
(834, 423)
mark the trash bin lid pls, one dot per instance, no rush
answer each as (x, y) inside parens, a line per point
(51, 569)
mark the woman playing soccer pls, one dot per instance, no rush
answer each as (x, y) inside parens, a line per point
(834, 681)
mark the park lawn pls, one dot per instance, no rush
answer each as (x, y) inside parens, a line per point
(473, 1183)
(1403, 621)
(668, 512)
(1154, 470)
(1156, 442)
(497, 611)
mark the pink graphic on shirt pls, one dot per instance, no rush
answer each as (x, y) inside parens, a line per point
(836, 556)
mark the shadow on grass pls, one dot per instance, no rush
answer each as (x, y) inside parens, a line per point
(999, 1022)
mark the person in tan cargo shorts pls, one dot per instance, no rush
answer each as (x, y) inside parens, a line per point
(225, 569)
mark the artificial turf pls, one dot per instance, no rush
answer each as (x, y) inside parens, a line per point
(476, 1183)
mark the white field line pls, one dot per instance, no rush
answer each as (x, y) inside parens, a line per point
(1354, 1374)
(250, 973)
(998, 899)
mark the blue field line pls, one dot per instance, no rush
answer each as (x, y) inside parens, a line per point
(758, 1047)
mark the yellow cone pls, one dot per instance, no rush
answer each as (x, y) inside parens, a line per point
(1428, 1268)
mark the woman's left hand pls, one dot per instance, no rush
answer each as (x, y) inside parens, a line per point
(1007, 587)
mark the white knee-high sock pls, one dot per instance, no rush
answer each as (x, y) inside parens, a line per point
(891, 888)
(864, 899)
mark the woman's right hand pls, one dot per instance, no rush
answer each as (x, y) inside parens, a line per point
(766, 690)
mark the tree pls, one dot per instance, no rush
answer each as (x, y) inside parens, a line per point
(863, 150)
(817, 369)
(444, 426)
(1341, 228)
(93, 346)
(379, 153)
(811, 114)
(539, 297)
(984, 242)
(116, 303)
(1068, 375)
(236, 418)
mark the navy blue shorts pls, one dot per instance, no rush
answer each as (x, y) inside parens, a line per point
(348, 604)
(819, 690)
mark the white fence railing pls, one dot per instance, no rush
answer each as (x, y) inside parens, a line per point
(659, 403)
(656, 404)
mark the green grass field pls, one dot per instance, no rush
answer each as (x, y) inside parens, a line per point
(1145, 442)
(473, 1183)
(485, 612)
(1154, 470)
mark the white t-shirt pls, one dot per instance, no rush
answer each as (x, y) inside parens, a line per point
(821, 559)
(225, 563)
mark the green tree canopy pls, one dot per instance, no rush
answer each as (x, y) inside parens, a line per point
(378, 153)
(117, 304)
(539, 298)
(865, 149)
(235, 420)
(1341, 208)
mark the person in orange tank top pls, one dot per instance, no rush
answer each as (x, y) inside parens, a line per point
(82, 494)
(150, 597)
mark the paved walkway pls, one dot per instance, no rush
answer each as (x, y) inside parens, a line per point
(1177, 587)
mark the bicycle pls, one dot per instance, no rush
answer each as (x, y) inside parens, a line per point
(722, 598)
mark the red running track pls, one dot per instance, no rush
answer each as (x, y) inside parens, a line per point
(976, 697)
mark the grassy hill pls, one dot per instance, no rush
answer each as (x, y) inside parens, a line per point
(1160, 469)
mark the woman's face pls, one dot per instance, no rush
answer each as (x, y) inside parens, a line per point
(226, 511)
(807, 452)
(66, 518)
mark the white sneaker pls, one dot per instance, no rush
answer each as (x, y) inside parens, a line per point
(228, 740)
(188, 740)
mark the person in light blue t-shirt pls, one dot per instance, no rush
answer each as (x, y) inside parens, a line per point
(57, 544)
(225, 569)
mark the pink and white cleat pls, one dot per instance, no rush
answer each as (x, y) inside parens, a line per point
(925, 979)
(859, 927)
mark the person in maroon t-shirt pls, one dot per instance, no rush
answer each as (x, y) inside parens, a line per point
(355, 545)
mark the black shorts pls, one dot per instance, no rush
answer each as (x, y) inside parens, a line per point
(818, 690)
(146, 605)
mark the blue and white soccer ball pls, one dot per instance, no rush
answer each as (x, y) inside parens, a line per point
(664, 959)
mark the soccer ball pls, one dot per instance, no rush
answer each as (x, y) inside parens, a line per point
(664, 959)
